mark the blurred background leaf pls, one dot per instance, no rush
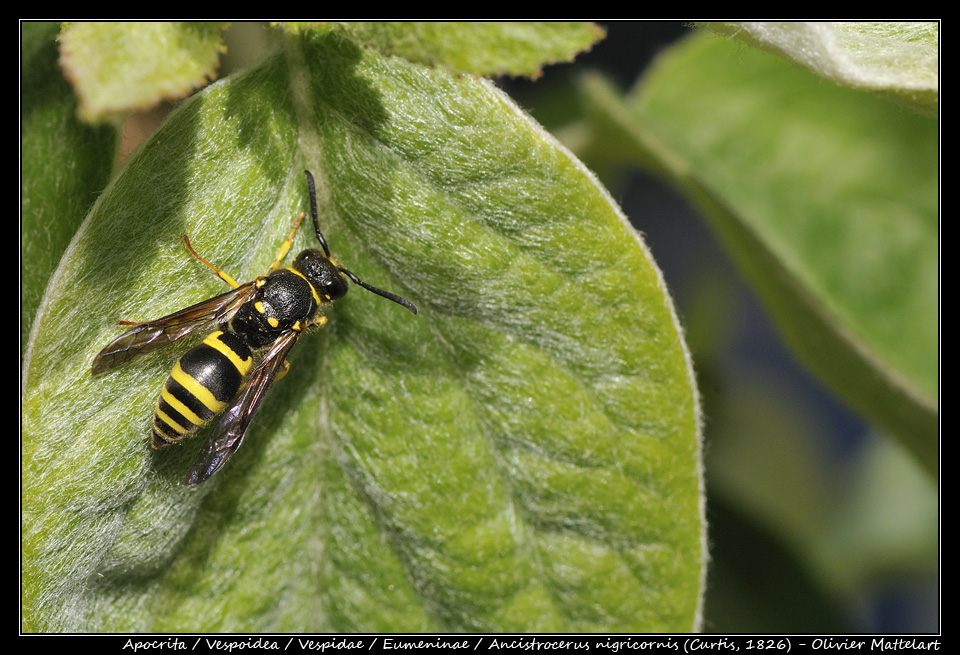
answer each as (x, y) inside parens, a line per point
(896, 60)
(515, 48)
(120, 67)
(64, 164)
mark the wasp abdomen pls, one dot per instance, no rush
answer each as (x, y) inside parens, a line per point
(200, 386)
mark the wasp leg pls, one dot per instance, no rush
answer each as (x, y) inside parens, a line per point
(223, 275)
(286, 369)
(287, 243)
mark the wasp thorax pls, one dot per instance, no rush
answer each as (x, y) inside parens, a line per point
(322, 273)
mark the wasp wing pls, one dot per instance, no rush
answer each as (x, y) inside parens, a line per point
(146, 337)
(228, 433)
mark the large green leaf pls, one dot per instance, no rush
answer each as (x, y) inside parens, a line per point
(827, 200)
(522, 455)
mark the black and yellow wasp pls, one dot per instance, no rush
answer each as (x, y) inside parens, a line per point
(265, 316)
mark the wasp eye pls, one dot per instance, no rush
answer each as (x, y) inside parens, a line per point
(335, 288)
(322, 274)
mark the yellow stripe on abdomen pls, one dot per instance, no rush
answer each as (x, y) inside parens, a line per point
(197, 390)
(242, 365)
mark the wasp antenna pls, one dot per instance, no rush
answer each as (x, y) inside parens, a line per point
(313, 212)
(380, 292)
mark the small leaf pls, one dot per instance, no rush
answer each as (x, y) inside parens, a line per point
(898, 60)
(65, 164)
(827, 200)
(117, 68)
(501, 48)
(522, 455)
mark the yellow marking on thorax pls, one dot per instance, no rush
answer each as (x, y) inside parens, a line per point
(316, 298)
(199, 391)
(242, 365)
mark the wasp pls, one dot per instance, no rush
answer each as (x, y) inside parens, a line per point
(229, 373)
